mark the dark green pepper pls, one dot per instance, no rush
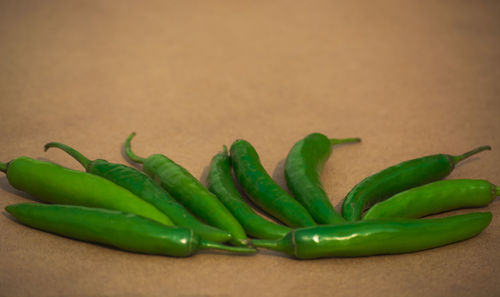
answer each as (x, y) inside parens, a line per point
(303, 167)
(366, 238)
(141, 185)
(263, 190)
(125, 231)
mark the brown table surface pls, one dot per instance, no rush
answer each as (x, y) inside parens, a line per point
(411, 78)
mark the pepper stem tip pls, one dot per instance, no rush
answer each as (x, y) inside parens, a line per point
(71, 151)
(456, 159)
(335, 141)
(128, 150)
(3, 167)
(237, 249)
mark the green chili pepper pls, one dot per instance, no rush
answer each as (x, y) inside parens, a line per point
(365, 238)
(434, 198)
(125, 231)
(141, 185)
(53, 183)
(220, 182)
(398, 178)
(303, 167)
(190, 192)
(263, 190)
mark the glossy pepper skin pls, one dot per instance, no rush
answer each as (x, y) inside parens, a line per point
(366, 238)
(53, 183)
(125, 231)
(303, 167)
(434, 198)
(263, 190)
(398, 178)
(186, 189)
(220, 182)
(141, 185)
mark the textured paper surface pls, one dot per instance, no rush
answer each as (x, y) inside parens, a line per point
(410, 78)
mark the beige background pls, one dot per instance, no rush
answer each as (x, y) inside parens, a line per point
(410, 77)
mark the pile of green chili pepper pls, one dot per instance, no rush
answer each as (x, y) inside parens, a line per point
(167, 211)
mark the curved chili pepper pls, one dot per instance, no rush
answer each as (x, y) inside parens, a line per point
(303, 167)
(53, 183)
(434, 198)
(263, 190)
(186, 189)
(125, 231)
(145, 188)
(398, 178)
(366, 238)
(220, 182)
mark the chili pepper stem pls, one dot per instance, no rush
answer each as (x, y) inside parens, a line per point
(128, 150)
(456, 159)
(224, 150)
(285, 245)
(71, 151)
(238, 249)
(3, 167)
(265, 243)
(335, 141)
